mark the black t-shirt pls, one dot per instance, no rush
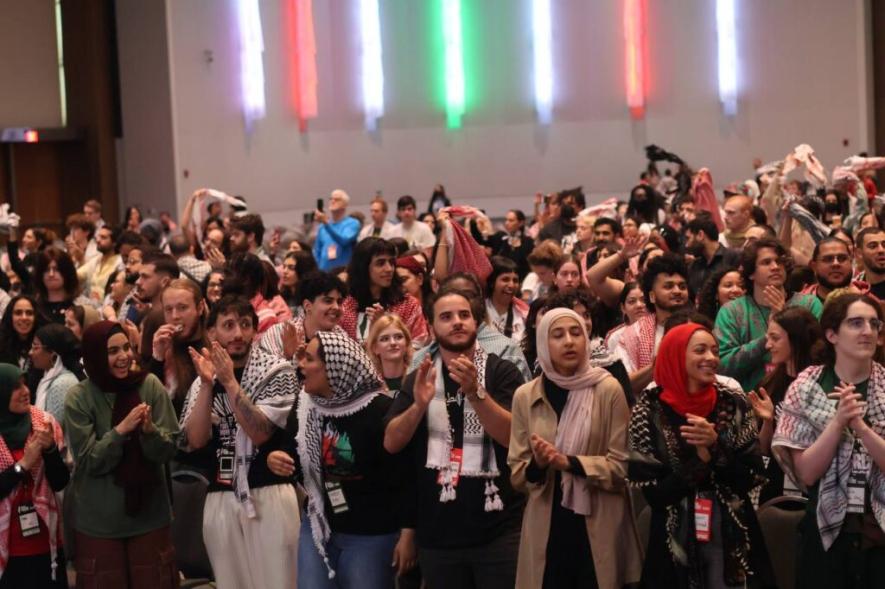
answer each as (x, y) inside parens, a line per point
(878, 290)
(380, 496)
(218, 459)
(463, 522)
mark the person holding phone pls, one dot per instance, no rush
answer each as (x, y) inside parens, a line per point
(337, 233)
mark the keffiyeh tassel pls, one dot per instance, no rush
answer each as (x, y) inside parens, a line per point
(493, 499)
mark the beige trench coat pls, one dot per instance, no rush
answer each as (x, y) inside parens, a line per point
(611, 528)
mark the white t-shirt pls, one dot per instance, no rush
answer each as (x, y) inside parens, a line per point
(499, 321)
(418, 236)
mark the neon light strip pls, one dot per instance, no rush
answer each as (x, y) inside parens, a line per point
(303, 64)
(454, 60)
(59, 43)
(373, 68)
(542, 37)
(634, 37)
(251, 60)
(727, 56)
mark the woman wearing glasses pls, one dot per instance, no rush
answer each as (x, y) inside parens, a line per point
(829, 441)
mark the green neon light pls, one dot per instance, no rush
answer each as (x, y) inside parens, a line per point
(59, 42)
(454, 62)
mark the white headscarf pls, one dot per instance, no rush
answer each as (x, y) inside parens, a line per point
(573, 429)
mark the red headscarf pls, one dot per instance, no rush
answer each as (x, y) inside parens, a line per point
(670, 374)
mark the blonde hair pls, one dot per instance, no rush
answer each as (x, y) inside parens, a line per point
(379, 325)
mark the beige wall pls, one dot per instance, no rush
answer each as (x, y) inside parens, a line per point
(29, 93)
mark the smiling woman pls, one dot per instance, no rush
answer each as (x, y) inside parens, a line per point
(694, 457)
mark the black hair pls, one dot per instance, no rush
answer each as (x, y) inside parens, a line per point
(232, 303)
(476, 302)
(129, 237)
(448, 290)
(668, 263)
(803, 329)
(758, 215)
(358, 274)
(687, 315)
(65, 267)
(529, 337)
(60, 340)
(305, 264)
(825, 241)
(318, 283)
(646, 210)
(613, 223)
(244, 275)
(406, 201)
(163, 264)
(12, 347)
(250, 223)
(708, 296)
(703, 223)
(500, 265)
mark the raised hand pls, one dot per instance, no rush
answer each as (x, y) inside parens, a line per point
(162, 341)
(147, 424)
(774, 297)
(293, 341)
(374, 312)
(425, 383)
(633, 245)
(699, 433)
(203, 364)
(851, 408)
(463, 371)
(224, 366)
(762, 404)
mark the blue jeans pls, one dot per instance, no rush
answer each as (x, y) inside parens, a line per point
(358, 561)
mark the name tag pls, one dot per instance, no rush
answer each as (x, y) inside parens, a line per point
(332, 251)
(225, 467)
(857, 492)
(28, 520)
(453, 472)
(336, 497)
(703, 516)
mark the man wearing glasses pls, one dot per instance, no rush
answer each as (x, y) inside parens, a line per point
(831, 263)
(741, 323)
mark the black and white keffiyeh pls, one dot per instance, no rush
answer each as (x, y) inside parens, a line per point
(355, 383)
(269, 383)
(804, 414)
(478, 452)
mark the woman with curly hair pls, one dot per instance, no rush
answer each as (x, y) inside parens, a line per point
(722, 286)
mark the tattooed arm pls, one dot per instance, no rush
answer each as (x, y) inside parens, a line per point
(249, 417)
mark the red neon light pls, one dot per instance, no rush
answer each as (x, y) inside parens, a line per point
(302, 60)
(634, 37)
(32, 136)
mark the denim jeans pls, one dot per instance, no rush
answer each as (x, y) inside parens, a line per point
(358, 561)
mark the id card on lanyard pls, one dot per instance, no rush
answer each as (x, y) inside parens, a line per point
(225, 474)
(703, 517)
(28, 520)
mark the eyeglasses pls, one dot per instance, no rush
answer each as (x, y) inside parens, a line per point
(857, 323)
(835, 259)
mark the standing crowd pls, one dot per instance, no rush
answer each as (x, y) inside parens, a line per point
(603, 396)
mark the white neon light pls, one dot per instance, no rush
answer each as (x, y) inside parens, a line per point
(60, 52)
(373, 68)
(727, 56)
(543, 42)
(251, 60)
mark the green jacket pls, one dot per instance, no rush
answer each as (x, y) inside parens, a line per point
(740, 328)
(97, 450)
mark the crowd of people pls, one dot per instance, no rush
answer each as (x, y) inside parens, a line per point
(440, 402)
